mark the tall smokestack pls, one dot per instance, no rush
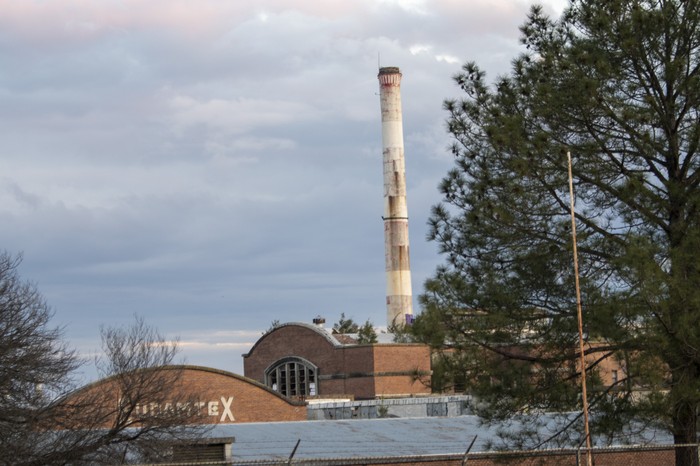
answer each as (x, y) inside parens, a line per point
(399, 305)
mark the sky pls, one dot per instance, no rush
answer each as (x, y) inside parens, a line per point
(215, 166)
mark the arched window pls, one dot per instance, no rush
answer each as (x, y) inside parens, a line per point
(292, 377)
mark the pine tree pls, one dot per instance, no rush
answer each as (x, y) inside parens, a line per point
(616, 83)
(345, 325)
(366, 334)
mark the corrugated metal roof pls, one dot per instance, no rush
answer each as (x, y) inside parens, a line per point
(353, 438)
(359, 438)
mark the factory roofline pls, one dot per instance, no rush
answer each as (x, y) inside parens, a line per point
(337, 340)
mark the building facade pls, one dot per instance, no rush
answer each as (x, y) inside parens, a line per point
(218, 396)
(301, 360)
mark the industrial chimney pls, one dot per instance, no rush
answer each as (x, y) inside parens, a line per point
(399, 305)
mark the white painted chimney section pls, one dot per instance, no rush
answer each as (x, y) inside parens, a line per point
(399, 298)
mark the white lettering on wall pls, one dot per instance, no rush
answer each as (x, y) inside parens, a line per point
(213, 408)
(227, 409)
(223, 408)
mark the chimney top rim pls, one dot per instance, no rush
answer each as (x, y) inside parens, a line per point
(389, 70)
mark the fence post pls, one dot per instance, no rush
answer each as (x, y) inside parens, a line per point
(578, 456)
(466, 453)
(289, 461)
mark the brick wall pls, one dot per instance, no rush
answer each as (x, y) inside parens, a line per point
(361, 371)
(218, 397)
(398, 366)
(289, 340)
(252, 402)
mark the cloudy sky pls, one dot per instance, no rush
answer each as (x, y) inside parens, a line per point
(215, 165)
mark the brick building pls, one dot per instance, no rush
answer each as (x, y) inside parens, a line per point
(304, 360)
(221, 397)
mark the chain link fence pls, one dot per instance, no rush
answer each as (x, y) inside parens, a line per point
(636, 455)
(653, 455)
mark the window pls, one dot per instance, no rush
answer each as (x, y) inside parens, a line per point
(436, 409)
(292, 377)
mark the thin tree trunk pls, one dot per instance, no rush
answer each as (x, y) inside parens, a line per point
(685, 432)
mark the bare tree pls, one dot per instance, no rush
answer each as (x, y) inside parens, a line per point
(140, 406)
(35, 364)
(132, 414)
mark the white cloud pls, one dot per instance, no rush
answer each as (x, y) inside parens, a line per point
(411, 6)
(215, 346)
(419, 48)
(448, 59)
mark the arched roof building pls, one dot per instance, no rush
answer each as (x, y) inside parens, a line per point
(304, 360)
(221, 397)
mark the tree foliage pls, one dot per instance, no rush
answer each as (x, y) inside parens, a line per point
(273, 325)
(616, 83)
(46, 420)
(366, 334)
(345, 325)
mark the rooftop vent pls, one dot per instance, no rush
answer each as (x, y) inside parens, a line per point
(318, 320)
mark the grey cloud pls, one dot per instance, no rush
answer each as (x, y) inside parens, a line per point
(223, 174)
